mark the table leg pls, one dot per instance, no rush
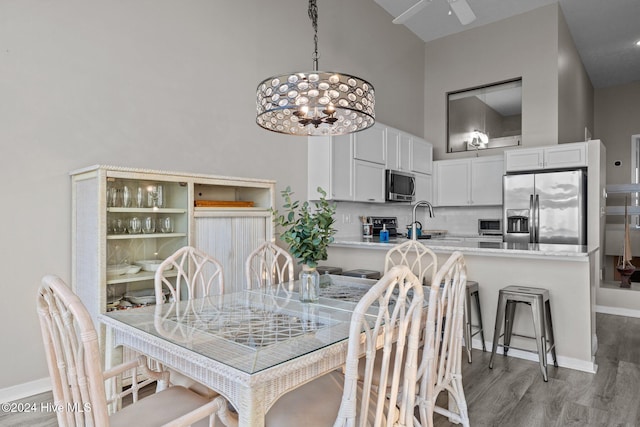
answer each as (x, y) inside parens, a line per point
(252, 407)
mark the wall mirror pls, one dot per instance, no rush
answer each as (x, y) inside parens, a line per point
(485, 117)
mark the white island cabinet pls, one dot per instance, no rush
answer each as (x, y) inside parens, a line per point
(123, 216)
(567, 271)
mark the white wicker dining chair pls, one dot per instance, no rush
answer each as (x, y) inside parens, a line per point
(395, 306)
(73, 358)
(197, 272)
(440, 367)
(422, 261)
(270, 267)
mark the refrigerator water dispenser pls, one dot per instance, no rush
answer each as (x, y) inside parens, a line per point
(517, 221)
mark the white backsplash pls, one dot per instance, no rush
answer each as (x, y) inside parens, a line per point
(458, 221)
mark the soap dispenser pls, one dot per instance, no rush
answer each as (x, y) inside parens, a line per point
(384, 233)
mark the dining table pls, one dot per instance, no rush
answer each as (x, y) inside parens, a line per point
(251, 346)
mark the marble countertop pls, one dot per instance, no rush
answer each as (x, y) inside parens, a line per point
(474, 245)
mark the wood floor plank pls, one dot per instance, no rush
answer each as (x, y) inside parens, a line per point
(625, 403)
(576, 415)
(541, 405)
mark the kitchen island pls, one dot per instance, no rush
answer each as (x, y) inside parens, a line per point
(567, 271)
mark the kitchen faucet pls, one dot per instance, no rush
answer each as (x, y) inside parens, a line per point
(414, 231)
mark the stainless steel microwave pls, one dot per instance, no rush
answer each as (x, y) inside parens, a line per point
(400, 186)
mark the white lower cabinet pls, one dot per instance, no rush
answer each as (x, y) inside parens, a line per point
(464, 182)
(230, 239)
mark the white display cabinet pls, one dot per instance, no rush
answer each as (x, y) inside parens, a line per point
(122, 217)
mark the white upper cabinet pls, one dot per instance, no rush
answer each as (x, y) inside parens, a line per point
(393, 149)
(330, 166)
(406, 152)
(452, 182)
(422, 156)
(424, 187)
(464, 182)
(486, 180)
(552, 157)
(369, 144)
(352, 167)
(368, 182)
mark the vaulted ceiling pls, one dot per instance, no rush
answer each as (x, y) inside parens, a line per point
(605, 32)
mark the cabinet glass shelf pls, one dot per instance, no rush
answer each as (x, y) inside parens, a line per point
(144, 236)
(147, 210)
(138, 277)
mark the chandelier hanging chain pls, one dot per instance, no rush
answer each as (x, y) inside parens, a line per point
(313, 15)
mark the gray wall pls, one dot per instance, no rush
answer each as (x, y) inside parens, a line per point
(158, 84)
(617, 118)
(524, 46)
(575, 92)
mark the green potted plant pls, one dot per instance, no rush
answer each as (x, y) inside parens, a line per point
(308, 232)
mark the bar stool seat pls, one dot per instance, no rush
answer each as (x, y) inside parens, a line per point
(538, 299)
(471, 330)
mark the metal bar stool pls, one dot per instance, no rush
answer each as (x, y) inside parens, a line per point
(471, 330)
(538, 299)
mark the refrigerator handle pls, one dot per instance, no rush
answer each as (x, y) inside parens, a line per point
(531, 220)
(537, 204)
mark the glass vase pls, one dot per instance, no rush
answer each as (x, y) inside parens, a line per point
(309, 284)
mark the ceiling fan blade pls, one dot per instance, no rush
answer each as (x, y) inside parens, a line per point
(404, 16)
(462, 10)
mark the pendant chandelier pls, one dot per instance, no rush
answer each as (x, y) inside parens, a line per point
(315, 102)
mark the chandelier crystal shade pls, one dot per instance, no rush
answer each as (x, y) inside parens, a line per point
(315, 102)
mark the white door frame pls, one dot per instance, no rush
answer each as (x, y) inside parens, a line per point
(635, 174)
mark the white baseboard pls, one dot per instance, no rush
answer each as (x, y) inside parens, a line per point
(20, 391)
(563, 362)
(618, 311)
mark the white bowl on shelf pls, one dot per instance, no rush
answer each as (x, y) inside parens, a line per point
(152, 264)
(143, 296)
(133, 269)
(118, 269)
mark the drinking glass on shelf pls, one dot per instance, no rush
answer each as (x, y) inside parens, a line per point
(113, 196)
(166, 224)
(152, 196)
(160, 196)
(155, 196)
(149, 225)
(135, 225)
(139, 199)
(118, 226)
(126, 196)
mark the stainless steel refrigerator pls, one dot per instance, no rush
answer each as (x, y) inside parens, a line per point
(546, 207)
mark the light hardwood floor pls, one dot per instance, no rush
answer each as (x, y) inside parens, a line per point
(513, 393)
